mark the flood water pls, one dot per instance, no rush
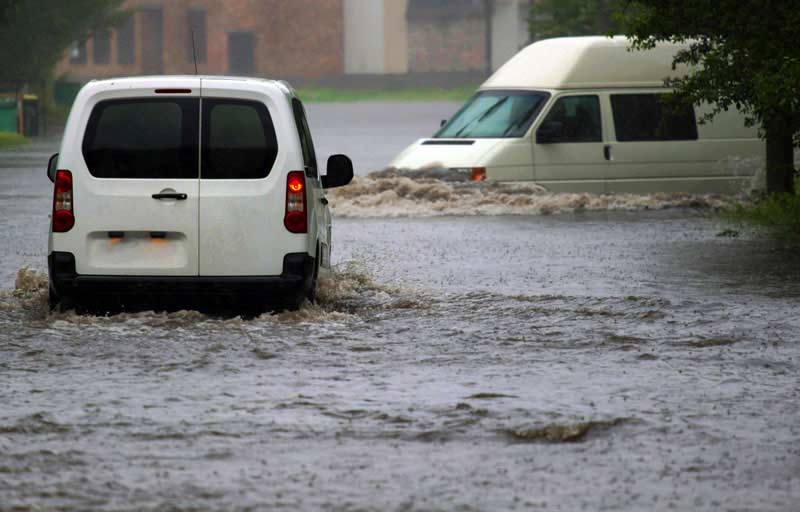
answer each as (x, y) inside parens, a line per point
(593, 354)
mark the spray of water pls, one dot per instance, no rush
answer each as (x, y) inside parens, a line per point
(430, 193)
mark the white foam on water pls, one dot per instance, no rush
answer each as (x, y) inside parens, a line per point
(341, 297)
(393, 194)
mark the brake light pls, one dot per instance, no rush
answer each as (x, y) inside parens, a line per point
(478, 174)
(296, 218)
(63, 214)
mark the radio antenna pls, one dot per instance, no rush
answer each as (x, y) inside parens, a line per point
(194, 53)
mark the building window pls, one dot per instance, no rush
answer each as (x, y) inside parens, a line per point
(241, 58)
(648, 117)
(77, 53)
(102, 47)
(126, 50)
(196, 19)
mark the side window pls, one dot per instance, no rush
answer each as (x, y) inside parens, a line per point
(649, 117)
(143, 138)
(575, 119)
(239, 140)
(306, 143)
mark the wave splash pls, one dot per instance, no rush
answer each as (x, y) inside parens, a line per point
(343, 295)
(430, 193)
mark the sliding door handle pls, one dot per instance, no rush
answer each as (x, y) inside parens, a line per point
(170, 195)
(607, 152)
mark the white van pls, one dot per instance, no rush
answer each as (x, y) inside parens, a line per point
(188, 188)
(588, 114)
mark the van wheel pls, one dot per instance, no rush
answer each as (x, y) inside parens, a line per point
(311, 295)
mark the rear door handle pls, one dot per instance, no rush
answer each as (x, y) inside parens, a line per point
(171, 195)
(607, 152)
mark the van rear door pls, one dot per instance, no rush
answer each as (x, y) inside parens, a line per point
(242, 199)
(136, 195)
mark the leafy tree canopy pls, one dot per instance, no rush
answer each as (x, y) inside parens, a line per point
(559, 18)
(743, 54)
(35, 33)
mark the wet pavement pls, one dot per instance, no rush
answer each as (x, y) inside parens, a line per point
(589, 360)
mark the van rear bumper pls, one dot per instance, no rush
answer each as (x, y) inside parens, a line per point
(293, 283)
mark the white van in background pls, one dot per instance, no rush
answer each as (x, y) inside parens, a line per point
(177, 190)
(587, 114)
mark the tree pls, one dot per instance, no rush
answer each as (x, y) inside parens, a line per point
(34, 34)
(558, 18)
(742, 54)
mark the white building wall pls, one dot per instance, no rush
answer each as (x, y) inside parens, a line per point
(509, 29)
(364, 39)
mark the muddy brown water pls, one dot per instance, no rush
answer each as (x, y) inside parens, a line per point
(596, 359)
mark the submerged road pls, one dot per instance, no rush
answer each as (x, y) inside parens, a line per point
(622, 360)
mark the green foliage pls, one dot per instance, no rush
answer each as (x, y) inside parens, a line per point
(10, 140)
(34, 34)
(742, 54)
(777, 214)
(559, 18)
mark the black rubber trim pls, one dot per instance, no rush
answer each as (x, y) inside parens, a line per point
(434, 142)
(297, 276)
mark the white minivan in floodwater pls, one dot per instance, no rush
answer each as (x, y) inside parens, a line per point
(587, 114)
(176, 191)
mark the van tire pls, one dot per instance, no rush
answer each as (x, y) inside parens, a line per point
(311, 294)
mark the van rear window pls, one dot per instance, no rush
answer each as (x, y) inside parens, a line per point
(652, 117)
(239, 140)
(143, 138)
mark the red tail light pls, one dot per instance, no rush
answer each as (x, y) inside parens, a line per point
(63, 214)
(296, 218)
(478, 174)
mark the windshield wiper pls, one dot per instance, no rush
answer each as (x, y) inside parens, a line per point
(483, 116)
(522, 119)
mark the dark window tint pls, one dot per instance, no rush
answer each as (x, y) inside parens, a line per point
(102, 47)
(126, 51)
(240, 53)
(196, 24)
(143, 138)
(77, 53)
(239, 140)
(309, 157)
(578, 118)
(643, 117)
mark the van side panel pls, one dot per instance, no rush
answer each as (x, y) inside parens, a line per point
(703, 165)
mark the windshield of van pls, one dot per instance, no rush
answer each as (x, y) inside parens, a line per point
(495, 114)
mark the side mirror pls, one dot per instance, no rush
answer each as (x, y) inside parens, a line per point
(340, 172)
(549, 132)
(52, 167)
(444, 122)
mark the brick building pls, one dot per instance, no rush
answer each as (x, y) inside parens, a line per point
(451, 35)
(297, 38)
(302, 40)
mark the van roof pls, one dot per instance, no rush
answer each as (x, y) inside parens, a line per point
(586, 62)
(148, 80)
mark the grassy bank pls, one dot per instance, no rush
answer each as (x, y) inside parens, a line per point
(778, 216)
(10, 140)
(326, 95)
